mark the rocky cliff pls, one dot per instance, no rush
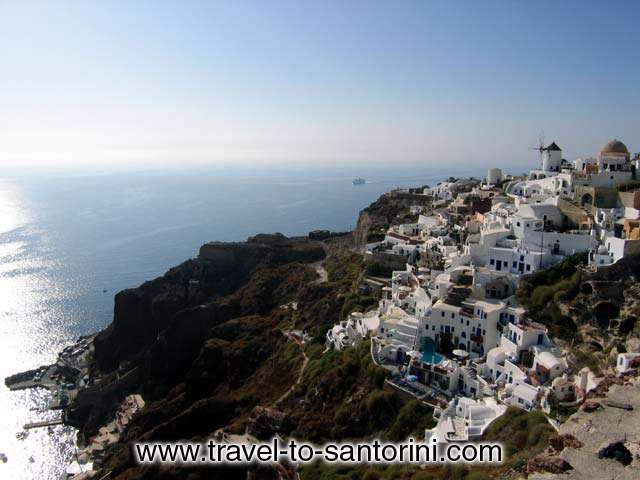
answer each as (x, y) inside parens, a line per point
(208, 346)
(165, 328)
(390, 209)
(593, 314)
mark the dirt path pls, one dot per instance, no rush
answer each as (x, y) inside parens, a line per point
(304, 366)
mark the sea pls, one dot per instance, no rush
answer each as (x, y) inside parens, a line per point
(70, 240)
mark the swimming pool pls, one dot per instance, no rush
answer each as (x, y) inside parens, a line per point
(429, 354)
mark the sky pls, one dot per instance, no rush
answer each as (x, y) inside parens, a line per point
(314, 82)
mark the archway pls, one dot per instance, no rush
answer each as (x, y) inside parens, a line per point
(587, 199)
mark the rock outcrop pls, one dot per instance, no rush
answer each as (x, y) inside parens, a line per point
(390, 209)
(205, 345)
(192, 329)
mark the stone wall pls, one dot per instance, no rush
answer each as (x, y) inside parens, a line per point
(576, 216)
(630, 199)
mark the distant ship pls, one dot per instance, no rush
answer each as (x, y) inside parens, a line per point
(359, 181)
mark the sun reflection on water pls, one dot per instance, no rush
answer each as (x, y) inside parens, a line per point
(30, 335)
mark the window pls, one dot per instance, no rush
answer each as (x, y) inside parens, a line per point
(442, 313)
(453, 315)
(528, 267)
(492, 261)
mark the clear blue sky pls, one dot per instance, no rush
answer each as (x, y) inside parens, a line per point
(158, 82)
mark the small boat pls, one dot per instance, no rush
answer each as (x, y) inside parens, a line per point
(22, 435)
(359, 181)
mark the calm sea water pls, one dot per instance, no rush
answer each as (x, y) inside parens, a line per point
(64, 239)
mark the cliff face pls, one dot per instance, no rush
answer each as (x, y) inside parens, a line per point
(206, 343)
(208, 347)
(164, 331)
(142, 313)
(390, 209)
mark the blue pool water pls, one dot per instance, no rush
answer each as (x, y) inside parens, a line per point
(429, 354)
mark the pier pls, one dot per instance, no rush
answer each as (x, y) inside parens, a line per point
(44, 423)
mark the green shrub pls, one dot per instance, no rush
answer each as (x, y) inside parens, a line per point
(354, 302)
(377, 375)
(541, 297)
(537, 435)
(455, 472)
(475, 475)
(381, 409)
(422, 476)
(413, 419)
(372, 474)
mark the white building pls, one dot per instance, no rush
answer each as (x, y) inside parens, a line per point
(464, 419)
(471, 324)
(611, 167)
(551, 158)
(352, 331)
(612, 250)
(494, 175)
(398, 332)
(522, 395)
(564, 390)
(627, 361)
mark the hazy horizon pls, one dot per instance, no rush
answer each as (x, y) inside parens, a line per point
(313, 85)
